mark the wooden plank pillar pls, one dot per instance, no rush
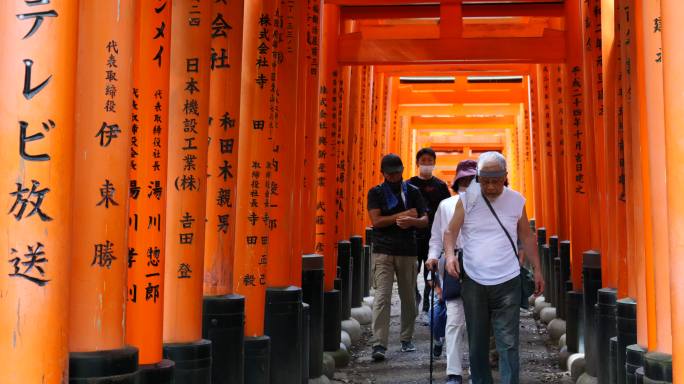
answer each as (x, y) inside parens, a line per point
(99, 265)
(224, 115)
(534, 145)
(38, 74)
(649, 50)
(147, 192)
(673, 59)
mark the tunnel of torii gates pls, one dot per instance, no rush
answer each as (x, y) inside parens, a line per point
(179, 176)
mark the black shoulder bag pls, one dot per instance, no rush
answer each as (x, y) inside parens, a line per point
(527, 284)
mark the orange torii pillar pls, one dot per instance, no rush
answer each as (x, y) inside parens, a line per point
(222, 311)
(545, 143)
(557, 73)
(38, 74)
(393, 129)
(147, 189)
(523, 140)
(186, 191)
(651, 100)
(99, 264)
(535, 151)
(526, 133)
(622, 246)
(330, 102)
(673, 59)
(355, 163)
(283, 316)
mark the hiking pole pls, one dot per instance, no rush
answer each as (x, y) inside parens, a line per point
(432, 319)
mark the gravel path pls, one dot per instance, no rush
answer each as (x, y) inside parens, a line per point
(538, 357)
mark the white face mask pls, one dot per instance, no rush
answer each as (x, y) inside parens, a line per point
(426, 170)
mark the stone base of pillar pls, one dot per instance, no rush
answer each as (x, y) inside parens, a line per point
(345, 339)
(257, 360)
(538, 306)
(563, 356)
(562, 341)
(283, 324)
(193, 361)
(331, 320)
(160, 373)
(353, 328)
(634, 359)
(117, 365)
(362, 314)
(223, 324)
(368, 301)
(657, 368)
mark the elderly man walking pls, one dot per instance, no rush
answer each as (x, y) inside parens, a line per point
(490, 218)
(396, 209)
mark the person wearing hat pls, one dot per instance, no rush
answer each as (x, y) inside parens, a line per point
(455, 315)
(434, 191)
(488, 220)
(396, 208)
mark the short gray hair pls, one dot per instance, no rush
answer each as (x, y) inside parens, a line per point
(491, 157)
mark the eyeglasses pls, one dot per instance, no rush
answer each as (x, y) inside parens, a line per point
(492, 180)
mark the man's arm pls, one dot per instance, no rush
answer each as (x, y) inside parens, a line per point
(421, 219)
(435, 244)
(450, 236)
(380, 221)
(531, 251)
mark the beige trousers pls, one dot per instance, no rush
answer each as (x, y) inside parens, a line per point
(384, 269)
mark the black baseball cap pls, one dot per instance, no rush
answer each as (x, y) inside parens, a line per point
(391, 163)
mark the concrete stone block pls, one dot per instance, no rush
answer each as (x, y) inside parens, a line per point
(341, 358)
(587, 379)
(576, 365)
(556, 329)
(328, 365)
(345, 339)
(563, 356)
(538, 306)
(353, 328)
(562, 341)
(539, 299)
(547, 314)
(362, 314)
(368, 301)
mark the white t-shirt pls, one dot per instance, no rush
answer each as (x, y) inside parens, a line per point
(443, 216)
(488, 256)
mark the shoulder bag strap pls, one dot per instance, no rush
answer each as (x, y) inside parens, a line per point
(515, 250)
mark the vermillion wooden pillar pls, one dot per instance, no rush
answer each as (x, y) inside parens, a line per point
(576, 142)
(545, 144)
(38, 76)
(594, 93)
(147, 192)
(103, 131)
(649, 50)
(528, 154)
(326, 207)
(557, 73)
(283, 187)
(610, 52)
(622, 237)
(187, 162)
(393, 129)
(628, 123)
(593, 97)
(354, 184)
(673, 59)
(251, 236)
(534, 147)
(639, 201)
(309, 55)
(522, 134)
(224, 112)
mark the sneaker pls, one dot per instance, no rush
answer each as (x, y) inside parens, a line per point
(407, 346)
(454, 379)
(379, 353)
(437, 349)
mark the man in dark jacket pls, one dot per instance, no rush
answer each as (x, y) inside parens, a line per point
(434, 191)
(396, 209)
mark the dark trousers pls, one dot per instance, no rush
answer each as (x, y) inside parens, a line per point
(422, 247)
(497, 307)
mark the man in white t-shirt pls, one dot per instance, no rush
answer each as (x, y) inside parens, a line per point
(455, 324)
(491, 280)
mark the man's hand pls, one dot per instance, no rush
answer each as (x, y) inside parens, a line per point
(405, 222)
(452, 266)
(431, 264)
(538, 283)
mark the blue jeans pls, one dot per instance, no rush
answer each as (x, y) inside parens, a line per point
(497, 307)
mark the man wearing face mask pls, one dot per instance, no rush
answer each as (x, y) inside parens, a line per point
(396, 209)
(434, 191)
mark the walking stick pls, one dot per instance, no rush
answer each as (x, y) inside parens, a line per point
(432, 319)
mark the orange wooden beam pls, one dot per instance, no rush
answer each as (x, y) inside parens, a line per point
(354, 50)
(454, 69)
(424, 11)
(451, 98)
